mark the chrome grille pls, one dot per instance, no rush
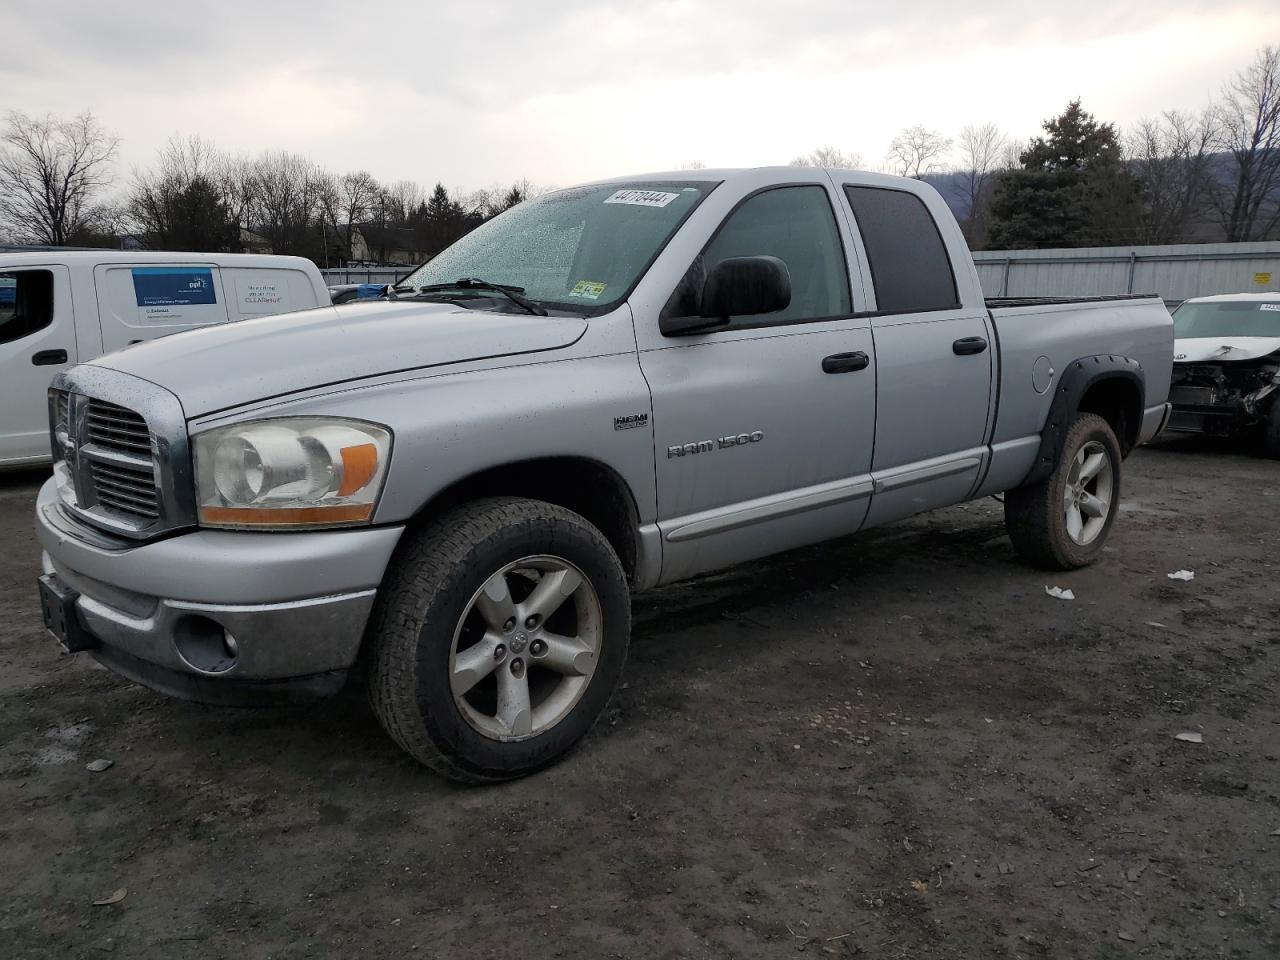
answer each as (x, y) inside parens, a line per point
(123, 464)
(125, 489)
(116, 428)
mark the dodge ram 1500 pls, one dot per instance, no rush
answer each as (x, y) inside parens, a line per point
(459, 486)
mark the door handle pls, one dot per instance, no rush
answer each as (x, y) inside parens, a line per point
(967, 345)
(845, 362)
(49, 358)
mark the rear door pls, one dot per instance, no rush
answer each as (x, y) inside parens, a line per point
(934, 356)
(139, 302)
(37, 340)
(759, 449)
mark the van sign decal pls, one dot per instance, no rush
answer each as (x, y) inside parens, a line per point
(260, 296)
(173, 286)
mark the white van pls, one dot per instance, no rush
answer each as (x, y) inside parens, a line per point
(61, 307)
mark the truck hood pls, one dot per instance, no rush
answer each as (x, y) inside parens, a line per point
(1223, 349)
(236, 363)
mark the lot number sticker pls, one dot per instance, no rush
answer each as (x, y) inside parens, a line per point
(642, 198)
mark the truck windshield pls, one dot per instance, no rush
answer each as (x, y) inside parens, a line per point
(581, 249)
(1228, 318)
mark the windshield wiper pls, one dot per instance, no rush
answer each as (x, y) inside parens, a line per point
(475, 283)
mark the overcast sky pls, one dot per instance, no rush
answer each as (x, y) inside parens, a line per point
(566, 90)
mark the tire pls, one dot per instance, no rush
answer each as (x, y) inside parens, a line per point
(1039, 517)
(1271, 430)
(445, 647)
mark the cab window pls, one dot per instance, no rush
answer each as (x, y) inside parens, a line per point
(796, 225)
(909, 264)
(26, 303)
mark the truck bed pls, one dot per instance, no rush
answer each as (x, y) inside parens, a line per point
(994, 303)
(1039, 337)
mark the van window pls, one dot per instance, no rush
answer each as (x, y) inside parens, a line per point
(796, 225)
(26, 303)
(909, 263)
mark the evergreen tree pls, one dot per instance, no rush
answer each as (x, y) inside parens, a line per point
(1072, 190)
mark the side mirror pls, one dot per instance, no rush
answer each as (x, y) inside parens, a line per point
(736, 287)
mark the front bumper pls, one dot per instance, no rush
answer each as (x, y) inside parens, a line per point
(1221, 420)
(294, 605)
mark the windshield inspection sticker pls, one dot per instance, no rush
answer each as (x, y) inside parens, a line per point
(1269, 306)
(587, 290)
(642, 198)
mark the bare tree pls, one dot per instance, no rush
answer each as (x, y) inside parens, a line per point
(489, 202)
(1249, 115)
(917, 151)
(181, 204)
(829, 157)
(346, 201)
(285, 202)
(51, 172)
(1171, 157)
(398, 202)
(236, 184)
(984, 154)
(693, 165)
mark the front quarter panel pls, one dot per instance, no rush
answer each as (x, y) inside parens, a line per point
(449, 425)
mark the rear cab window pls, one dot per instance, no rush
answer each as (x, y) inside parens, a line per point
(910, 268)
(26, 303)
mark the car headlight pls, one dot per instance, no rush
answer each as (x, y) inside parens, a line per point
(290, 473)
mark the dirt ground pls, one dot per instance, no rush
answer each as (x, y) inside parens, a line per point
(895, 745)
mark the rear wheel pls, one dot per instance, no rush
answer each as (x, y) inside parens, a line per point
(498, 639)
(1062, 522)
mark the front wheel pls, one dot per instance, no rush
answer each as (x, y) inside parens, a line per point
(1271, 430)
(1062, 522)
(498, 638)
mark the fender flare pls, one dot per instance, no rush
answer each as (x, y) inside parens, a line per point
(1076, 379)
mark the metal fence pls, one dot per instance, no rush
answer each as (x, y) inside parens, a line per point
(336, 275)
(1175, 272)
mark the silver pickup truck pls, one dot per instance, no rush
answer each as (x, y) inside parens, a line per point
(458, 486)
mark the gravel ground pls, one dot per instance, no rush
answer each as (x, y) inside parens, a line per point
(890, 746)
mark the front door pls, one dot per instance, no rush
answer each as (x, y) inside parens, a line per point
(758, 447)
(37, 341)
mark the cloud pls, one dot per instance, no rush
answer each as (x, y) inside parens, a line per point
(560, 90)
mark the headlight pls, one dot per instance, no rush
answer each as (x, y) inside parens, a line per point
(293, 472)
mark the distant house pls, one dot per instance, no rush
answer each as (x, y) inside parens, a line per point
(371, 243)
(251, 242)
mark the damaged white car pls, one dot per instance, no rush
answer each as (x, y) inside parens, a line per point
(1226, 370)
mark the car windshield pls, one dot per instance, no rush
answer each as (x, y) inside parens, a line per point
(581, 249)
(1228, 318)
